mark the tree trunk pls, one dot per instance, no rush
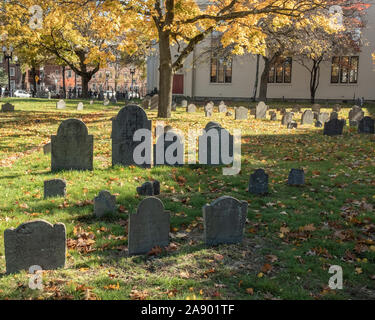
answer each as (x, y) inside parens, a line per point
(33, 73)
(264, 80)
(314, 79)
(165, 76)
(85, 85)
(255, 90)
(63, 79)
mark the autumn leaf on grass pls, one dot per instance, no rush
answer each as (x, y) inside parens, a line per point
(250, 291)
(113, 287)
(309, 228)
(267, 268)
(138, 295)
(155, 251)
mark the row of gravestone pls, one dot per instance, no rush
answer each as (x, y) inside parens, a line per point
(61, 105)
(39, 243)
(72, 147)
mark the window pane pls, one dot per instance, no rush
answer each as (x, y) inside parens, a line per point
(213, 70)
(335, 71)
(288, 70)
(271, 74)
(228, 70)
(344, 69)
(353, 76)
(220, 73)
(279, 73)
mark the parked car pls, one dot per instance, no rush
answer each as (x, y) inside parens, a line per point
(21, 94)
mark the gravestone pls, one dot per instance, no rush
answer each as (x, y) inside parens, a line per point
(149, 189)
(259, 182)
(241, 113)
(287, 118)
(191, 108)
(337, 108)
(356, 114)
(208, 113)
(91, 102)
(128, 121)
(212, 124)
(72, 147)
(366, 125)
(223, 108)
(146, 103)
(316, 108)
(334, 127)
(261, 111)
(174, 106)
(80, 106)
(54, 188)
(154, 104)
(292, 125)
(307, 117)
(224, 221)
(184, 103)
(296, 177)
(60, 105)
(7, 107)
(323, 117)
(169, 150)
(106, 102)
(47, 148)
(104, 204)
(318, 124)
(209, 107)
(36, 243)
(149, 227)
(273, 116)
(334, 115)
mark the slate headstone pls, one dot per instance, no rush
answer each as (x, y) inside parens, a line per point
(259, 182)
(241, 113)
(72, 147)
(149, 227)
(35, 243)
(318, 124)
(296, 177)
(366, 125)
(334, 115)
(224, 221)
(334, 127)
(7, 107)
(104, 203)
(261, 111)
(149, 189)
(337, 108)
(316, 108)
(54, 188)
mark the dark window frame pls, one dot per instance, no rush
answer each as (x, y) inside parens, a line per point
(221, 68)
(345, 72)
(278, 71)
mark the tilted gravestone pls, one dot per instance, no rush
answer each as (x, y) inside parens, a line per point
(154, 102)
(47, 148)
(224, 221)
(128, 121)
(169, 150)
(54, 188)
(307, 117)
(259, 182)
(60, 105)
(191, 108)
(296, 177)
(80, 106)
(104, 203)
(287, 118)
(36, 243)
(149, 189)
(356, 114)
(261, 110)
(334, 127)
(366, 125)
(7, 107)
(241, 113)
(215, 145)
(149, 227)
(72, 147)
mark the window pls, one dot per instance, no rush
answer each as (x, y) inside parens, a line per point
(12, 72)
(221, 64)
(344, 69)
(69, 73)
(281, 71)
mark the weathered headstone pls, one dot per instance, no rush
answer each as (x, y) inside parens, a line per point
(273, 116)
(36, 243)
(184, 103)
(208, 113)
(146, 103)
(292, 125)
(91, 102)
(224, 221)
(316, 108)
(72, 147)
(323, 117)
(60, 105)
(149, 189)
(80, 106)
(223, 108)
(154, 102)
(54, 188)
(334, 127)
(261, 111)
(191, 108)
(106, 102)
(259, 182)
(104, 203)
(241, 113)
(209, 109)
(128, 121)
(296, 177)
(356, 114)
(307, 117)
(149, 227)
(47, 148)
(287, 118)
(366, 125)
(7, 107)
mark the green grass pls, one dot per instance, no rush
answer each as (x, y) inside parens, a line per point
(299, 232)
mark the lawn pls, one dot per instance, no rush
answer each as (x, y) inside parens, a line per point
(292, 236)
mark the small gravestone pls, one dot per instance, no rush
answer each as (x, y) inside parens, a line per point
(209, 107)
(184, 103)
(208, 113)
(36, 243)
(47, 148)
(129, 120)
(91, 102)
(316, 108)
(106, 102)
(80, 106)
(54, 188)
(224, 221)
(146, 103)
(261, 111)
(273, 116)
(60, 105)
(318, 124)
(334, 127)
(307, 117)
(292, 125)
(7, 107)
(366, 125)
(104, 204)
(356, 114)
(149, 227)
(323, 117)
(174, 106)
(259, 182)
(283, 111)
(223, 108)
(241, 113)
(72, 147)
(287, 118)
(154, 104)
(334, 115)
(191, 108)
(149, 189)
(296, 177)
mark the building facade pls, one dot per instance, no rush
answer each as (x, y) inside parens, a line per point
(234, 79)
